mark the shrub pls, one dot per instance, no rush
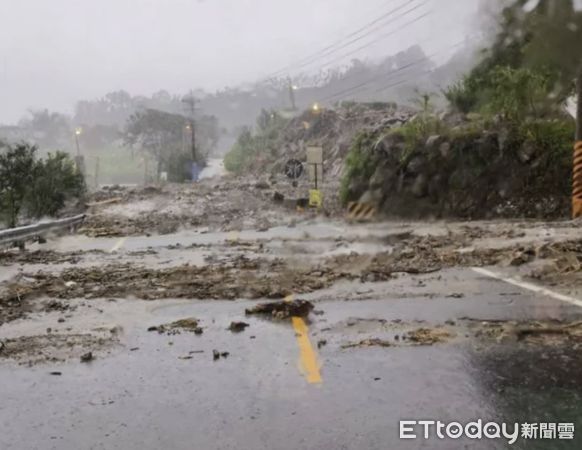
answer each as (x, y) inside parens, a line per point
(16, 176)
(55, 181)
(463, 95)
(416, 131)
(37, 187)
(517, 94)
(359, 163)
(249, 146)
(241, 153)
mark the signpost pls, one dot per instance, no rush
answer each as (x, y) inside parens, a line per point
(315, 167)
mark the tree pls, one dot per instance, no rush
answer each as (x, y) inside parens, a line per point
(157, 132)
(163, 134)
(55, 180)
(544, 38)
(47, 129)
(16, 176)
(98, 137)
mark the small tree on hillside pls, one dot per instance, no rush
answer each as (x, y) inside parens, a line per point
(16, 176)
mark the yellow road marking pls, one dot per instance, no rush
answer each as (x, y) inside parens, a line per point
(233, 236)
(118, 245)
(307, 355)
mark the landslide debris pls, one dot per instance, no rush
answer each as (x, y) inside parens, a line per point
(9, 257)
(190, 325)
(429, 336)
(238, 327)
(533, 332)
(240, 277)
(234, 204)
(375, 342)
(53, 347)
(426, 254)
(481, 333)
(282, 310)
(150, 223)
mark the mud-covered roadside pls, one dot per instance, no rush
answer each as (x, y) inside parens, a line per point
(256, 268)
(55, 347)
(232, 204)
(478, 333)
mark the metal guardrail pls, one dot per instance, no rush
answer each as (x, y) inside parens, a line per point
(23, 234)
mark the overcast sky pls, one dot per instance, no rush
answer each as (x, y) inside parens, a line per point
(55, 52)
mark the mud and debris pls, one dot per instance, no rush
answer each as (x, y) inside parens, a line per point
(87, 357)
(10, 257)
(375, 342)
(235, 203)
(216, 355)
(481, 334)
(239, 278)
(547, 333)
(190, 325)
(282, 310)
(429, 336)
(238, 327)
(51, 282)
(56, 347)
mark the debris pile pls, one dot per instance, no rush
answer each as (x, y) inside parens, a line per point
(238, 327)
(190, 325)
(429, 336)
(334, 130)
(54, 347)
(282, 310)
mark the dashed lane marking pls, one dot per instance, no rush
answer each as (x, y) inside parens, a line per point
(529, 286)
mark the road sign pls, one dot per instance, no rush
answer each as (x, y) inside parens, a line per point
(315, 198)
(293, 169)
(314, 155)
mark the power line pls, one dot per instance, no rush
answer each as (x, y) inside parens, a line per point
(382, 37)
(357, 88)
(327, 49)
(377, 78)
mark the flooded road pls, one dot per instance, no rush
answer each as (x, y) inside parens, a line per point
(159, 391)
(144, 341)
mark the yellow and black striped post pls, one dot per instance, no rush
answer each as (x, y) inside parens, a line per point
(361, 211)
(577, 182)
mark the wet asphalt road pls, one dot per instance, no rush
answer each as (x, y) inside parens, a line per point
(258, 397)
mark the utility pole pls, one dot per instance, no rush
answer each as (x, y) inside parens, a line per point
(292, 89)
(77, 133)
(97, 173)
(190, 101)
(79, 160)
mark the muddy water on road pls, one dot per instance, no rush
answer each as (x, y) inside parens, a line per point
(159, 391)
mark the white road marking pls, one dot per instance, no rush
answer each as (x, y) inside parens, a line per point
(118, 245)
(529, 287)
